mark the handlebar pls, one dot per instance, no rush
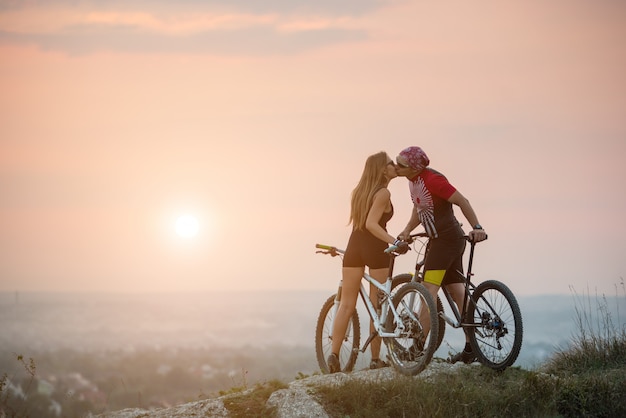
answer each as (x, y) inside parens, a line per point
(425, 235)
(334, 251)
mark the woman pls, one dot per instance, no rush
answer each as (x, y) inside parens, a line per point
(370, 210)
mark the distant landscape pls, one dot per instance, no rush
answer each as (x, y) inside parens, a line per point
(97, 351)
(89, 322)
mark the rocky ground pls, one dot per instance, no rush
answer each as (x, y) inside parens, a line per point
(293, 402)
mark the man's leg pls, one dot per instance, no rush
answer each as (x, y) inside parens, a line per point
(432, 281)
(457, 291)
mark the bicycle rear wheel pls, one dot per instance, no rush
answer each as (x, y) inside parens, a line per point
(324, 338)
(401, 279)
(496, 333)
(412, 350)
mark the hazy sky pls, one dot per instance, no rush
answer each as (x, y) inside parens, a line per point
(256, 117)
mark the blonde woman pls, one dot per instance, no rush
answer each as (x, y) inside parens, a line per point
(370, 210)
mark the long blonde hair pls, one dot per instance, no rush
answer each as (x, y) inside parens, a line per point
(372, 180)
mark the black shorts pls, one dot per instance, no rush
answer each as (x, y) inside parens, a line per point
(446, 253)
(364, 249)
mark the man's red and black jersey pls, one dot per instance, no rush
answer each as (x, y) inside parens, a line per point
(430, 191)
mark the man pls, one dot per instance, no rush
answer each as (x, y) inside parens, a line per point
(433, 197)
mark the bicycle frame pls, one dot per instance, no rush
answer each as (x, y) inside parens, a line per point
(455, 322)
(469, 292)
(385, 307)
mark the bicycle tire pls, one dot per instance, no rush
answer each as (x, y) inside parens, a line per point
(401, 279)
(323, 338)
(497, 330)
(402, 351)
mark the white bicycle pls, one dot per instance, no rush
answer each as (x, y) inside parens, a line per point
(396, 322)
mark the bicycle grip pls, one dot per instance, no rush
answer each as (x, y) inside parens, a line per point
(391, 248)
(467, 238)
(324, 247)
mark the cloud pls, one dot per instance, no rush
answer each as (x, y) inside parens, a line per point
(225, 28)
(327, 7)
(254, 41)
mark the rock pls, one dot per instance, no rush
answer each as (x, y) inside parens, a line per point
(204, 408)
(296, 401)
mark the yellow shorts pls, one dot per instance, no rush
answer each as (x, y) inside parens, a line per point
(434, 277)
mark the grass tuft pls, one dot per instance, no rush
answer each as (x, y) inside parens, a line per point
(252, 403)
(600, 343)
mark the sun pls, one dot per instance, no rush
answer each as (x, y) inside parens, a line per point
(187, 226)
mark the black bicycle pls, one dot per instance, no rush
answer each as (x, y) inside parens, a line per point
(490, 314)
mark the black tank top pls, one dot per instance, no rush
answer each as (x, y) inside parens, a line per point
(385, 218)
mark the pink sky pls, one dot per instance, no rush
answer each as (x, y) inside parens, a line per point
(117, 117)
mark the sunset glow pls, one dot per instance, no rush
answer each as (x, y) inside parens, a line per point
(164, 144)
(187, 226)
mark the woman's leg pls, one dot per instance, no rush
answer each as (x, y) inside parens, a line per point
(381, 276)
(349, 292)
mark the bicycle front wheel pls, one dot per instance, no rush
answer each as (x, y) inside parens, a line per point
(401, 279)
(496, 325)
(413, 349)
(324, 338)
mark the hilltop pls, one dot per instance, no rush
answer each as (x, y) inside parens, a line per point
(296, 400)
(442, 389)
